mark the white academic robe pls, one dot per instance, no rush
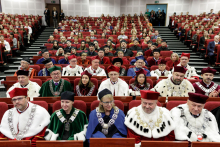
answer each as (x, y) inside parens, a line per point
(67, 71)
(33, 89)
(20, 121)
(99, 71)
(157, 73)
(191, 71)
(121, 88)
(167, 88)
(187, 127)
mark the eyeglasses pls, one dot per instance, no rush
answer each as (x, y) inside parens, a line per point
(107, 103)
(55, 74)
(19, 99)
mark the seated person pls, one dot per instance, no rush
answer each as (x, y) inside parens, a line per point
(175, 85)
(139, 55)
(123, 47)
(85, 86)
(156, 59)
(135, 47)
(161, 71)
(73, 52)
(51, 39)
(116, 85)
(55, 46)
(83, 59)
(149, 44)
(211, 49)
(174, 61)
(102, 58)
(60, 52)
(25, 66)
(138, 65)
(140, 83)
(48, 64)
(24, 82)
(65, 59)
(45, 54)
(69, 45)
(163, 46)
(99, 119)
(83, 46)
(62, 40)
(194, 122)
(94, 69)
(149, 121)
(191, 71)
(122, 36)
(56, 85)
(67, 123)
(106, 49)
(149, 52)
(91, 51)
(119, 62)
(72, 69)
(206, 86)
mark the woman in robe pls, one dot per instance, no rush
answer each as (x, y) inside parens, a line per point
(174, 61)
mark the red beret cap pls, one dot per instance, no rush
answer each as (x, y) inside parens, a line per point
(197, 98)
(150, 95)
(18, 92)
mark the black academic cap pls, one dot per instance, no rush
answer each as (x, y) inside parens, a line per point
(156, 50)
(26, 59)
(117, 60)
(46, 61)
(67, 95)
(104, 92)
(67, 51)
(22, 72)
(91, 44)
(44, 50)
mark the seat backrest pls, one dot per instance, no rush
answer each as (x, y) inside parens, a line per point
(193, 80)
(38, 81)
(118, 103)
(148, 81)
(211, 105)
(37, 67)
(171, 104)
(41, 103)
(77, 104)
(166, 53)
(135, 103)
(3, 108)
(62, 78)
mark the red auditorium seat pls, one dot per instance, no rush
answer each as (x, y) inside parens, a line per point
(37, 67)
(211, 105)
(171, 104)
(166, 53)
(118, 103)
(38, 81)
(148, 81)
(77, 104)
(41, 103)
(3, 108)
(135, 103)
(144, 46)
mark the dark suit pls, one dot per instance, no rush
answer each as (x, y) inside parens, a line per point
(211, 49)
(108, 54)
(135, 48)
(47, 16)
(69, 48)
(62, 15)
(55, 17)
(92, 53)
(126, 53)
(163, 48)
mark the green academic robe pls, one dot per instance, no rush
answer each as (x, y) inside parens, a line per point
(77, 126)
(45, 88)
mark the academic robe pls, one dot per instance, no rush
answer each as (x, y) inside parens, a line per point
(98, 72)
(85, 91)
(191, 72)
(79, 125)
(187, 124)
(171, 64)
(119, 127)
(134, 60)
(157, 73)
(39, 61)
(46, 92)
(32, 72)
(167, 88)
(105, 60)
(131, 72)
(44, 72)
(122, 72)
(134, 90)
(35, 131)
(109, 54)
(63, 61)
(148, 53)
(152, 62)
(121, 88)
(201, 87)
(141, 125)
(92, 53)
(33, 89)
(125, 61)
(86, 62)
(69, 71)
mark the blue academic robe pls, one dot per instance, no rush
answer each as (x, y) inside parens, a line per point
(134, 60)
(40, 73)
(63, 61)
(93, 122)
(39, 61)
(132, 73)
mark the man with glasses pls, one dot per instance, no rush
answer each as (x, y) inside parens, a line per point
(139, 65)
(116, 85)
(94, 69)
(65, 60)
(25, 65)
(56, 85)
(149, 121)
(48, 64)
(175, 85)
(26, 121)
(24, 82)
(45, 54)
(73, 69)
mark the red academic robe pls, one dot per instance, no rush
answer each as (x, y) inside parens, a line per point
(152, 62)
(138, 138)
(39, 136)
(171, 64)
(148, 53)
(199, 90)
(85, 91)
(105, 60)
(125, 61)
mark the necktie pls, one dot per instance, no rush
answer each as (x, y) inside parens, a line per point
(56, 84)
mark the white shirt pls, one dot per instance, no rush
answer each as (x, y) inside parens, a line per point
(29, 29)
(7, 45)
